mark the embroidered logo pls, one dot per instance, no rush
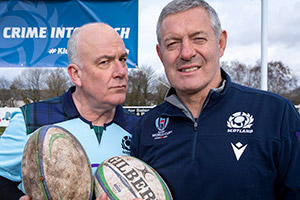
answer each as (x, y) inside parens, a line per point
(161, 124)
(240, 122)
(238, 149)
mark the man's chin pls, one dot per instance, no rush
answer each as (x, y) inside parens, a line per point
(119, 99)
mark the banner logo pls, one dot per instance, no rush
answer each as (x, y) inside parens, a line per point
(36, 33)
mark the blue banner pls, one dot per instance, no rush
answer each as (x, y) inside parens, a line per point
(35, 33)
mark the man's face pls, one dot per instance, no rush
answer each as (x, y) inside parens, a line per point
(104, 71)
(190, 51)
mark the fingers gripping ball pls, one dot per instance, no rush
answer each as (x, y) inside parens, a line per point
(126, 177)
(55, 166)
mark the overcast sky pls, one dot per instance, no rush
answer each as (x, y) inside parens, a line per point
(242, 21)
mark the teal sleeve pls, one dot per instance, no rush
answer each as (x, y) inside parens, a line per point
(12, 143)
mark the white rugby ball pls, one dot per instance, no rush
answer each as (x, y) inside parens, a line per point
(126, 177)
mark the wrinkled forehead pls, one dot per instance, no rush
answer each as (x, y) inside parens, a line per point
(191, 20)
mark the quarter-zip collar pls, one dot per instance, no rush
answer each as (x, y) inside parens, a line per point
(173, 99)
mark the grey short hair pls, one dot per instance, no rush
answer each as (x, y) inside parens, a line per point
(177, 6)
(73, 55)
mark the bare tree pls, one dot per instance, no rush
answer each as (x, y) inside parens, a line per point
(17, 92)
(294, 96)
(5, 92)
(57, 82)
(161, 87)
(239, 72)
(280, 77)
(140, 81)
(30, 84)
(254, 75)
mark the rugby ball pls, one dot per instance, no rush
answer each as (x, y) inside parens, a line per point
(55, 166)
(126, 178)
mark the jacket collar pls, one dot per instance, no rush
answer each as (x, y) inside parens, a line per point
(214, 93)
(72, 112)
(68, 103)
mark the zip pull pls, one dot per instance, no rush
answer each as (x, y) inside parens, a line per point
(195, 125)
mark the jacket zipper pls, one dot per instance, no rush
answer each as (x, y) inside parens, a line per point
(195, 140)
(196, 125)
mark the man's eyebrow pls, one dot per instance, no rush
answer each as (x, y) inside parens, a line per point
(110, 57)
(125, 54)
(197, 33)
(104, 57)
(190, 35)
(171, 38)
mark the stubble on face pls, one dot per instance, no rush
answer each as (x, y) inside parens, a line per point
(190, 52)
(104, 71)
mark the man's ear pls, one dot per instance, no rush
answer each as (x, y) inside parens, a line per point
(222, 43)
(159, 52)
(74, 72)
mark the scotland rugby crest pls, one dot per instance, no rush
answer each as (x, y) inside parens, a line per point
(240, 122)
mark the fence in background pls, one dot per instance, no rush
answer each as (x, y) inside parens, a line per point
(5, 113)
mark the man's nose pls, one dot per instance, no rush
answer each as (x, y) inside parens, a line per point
(187, 50)
(120, 69)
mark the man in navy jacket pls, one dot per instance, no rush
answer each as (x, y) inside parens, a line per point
(212, 138)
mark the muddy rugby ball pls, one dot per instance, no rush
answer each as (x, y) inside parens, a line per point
(126, 177)
(55, 166)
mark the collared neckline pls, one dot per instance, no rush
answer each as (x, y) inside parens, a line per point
(173, 99)
(68, 103)
(72, 112)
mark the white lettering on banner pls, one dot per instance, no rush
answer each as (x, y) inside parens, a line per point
(62, 51)
(55, 32)
(123, 32)
(61, 32)
(37, 32)
(58, 51)
(30, 32)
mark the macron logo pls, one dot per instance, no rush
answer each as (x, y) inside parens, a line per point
(238, 149)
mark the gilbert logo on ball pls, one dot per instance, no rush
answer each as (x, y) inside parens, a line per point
(125, 178)
(55, 166)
